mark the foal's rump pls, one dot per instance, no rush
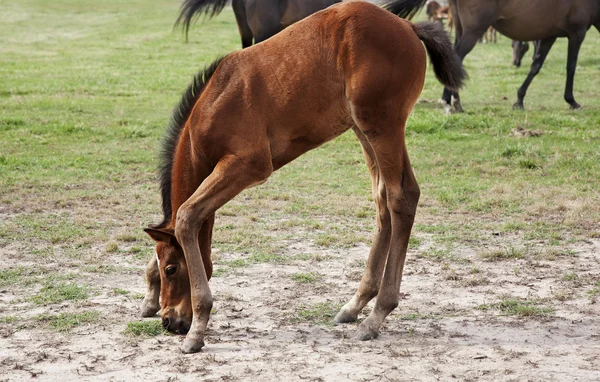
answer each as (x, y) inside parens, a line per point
(299, 89)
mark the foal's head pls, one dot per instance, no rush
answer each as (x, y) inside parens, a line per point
(176, 308)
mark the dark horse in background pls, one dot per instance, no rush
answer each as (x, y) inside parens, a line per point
(257, 19)
(530, 20)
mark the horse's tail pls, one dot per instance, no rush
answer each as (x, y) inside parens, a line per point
(447, 66)
(405, 8)
(192, 9)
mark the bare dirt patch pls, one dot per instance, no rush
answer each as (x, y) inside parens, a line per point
(267, 325)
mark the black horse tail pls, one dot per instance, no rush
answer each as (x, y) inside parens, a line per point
(447, 66)
(405, 8)
(192, 9)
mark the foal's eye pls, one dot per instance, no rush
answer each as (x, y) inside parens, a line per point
(170, 270)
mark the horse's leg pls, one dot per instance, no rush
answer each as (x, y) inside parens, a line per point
(369, 284)
(150, 305)
(575, 41)
(402, 193)
(462, 48)
(240, 16)
(264, 20)
(539, 57)
(205, 244)
(230, 177)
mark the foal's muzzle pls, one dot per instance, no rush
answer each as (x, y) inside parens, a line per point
(175, 325)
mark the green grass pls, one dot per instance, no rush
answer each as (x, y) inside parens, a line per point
(56, 292)
(306, 278)
(321, 313)
(149, 328)
(520, 308)
(66, 321)
(509, 253)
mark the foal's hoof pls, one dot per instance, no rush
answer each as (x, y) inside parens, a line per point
(149, 310)
(344, 317)
(366, 333)
(192, 345)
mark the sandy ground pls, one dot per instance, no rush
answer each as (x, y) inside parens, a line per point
(439, 331)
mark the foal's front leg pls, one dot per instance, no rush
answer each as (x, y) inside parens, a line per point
(230, 177)
(150, 305)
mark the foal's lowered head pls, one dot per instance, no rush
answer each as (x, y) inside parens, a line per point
(175, 297)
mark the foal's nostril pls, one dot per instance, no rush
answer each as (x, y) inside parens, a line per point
(165, 322)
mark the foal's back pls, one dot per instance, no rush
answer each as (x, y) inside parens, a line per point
(309, 83)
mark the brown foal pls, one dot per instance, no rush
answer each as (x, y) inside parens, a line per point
(351, 66)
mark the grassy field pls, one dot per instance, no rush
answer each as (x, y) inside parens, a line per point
(87, 88)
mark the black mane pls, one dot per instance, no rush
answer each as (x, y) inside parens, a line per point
(181, 113)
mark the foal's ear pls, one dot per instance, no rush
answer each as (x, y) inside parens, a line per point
(161, 234)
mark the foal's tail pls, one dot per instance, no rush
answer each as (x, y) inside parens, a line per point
(447, 66)
(192, 9)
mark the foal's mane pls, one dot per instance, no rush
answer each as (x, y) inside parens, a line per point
(181, 113)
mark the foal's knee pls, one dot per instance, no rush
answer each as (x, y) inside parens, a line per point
(187, 224)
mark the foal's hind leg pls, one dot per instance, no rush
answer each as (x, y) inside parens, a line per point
(369, 284)
(150, 305)
(385, 136)
(402, 198)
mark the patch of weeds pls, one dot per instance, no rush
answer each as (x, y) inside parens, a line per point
(510, 152)
(66, 321)
(522, 308)
(553, 253)
(127, 238)
(513, 226)
(149, 328)
(10, 276)
(570, 276)
(415, 241)
(306, 278)
(475, 281)
(53, 293)
(410, 317)
(321, 313)
(595, 291)
(9, 319)
(528, 163)
(510, 253)
(120, 292)
(111, 247)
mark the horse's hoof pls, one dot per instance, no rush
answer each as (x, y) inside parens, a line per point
(365, 333)
(343, 317)
(518, 106)
(575, 106)
(458, 107)
(192, 345)
(149, 310)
